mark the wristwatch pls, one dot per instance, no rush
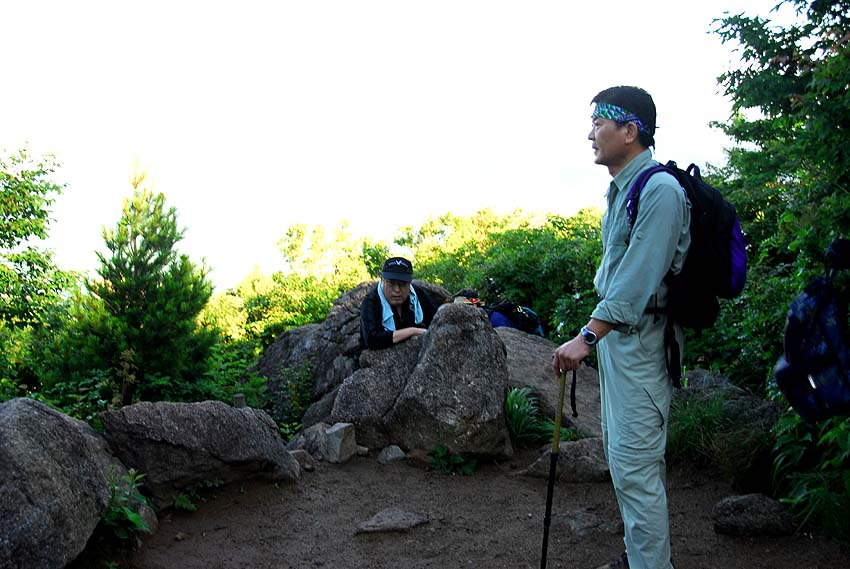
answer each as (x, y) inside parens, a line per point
(590, 337)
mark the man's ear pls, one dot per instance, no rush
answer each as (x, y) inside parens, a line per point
(632, 134)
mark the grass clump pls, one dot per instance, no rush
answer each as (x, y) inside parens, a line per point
(526, 426)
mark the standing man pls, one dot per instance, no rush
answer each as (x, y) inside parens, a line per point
(626, 328)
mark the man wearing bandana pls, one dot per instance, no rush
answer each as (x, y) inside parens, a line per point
(627, 326)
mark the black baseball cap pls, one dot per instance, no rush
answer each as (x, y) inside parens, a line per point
(397, 268)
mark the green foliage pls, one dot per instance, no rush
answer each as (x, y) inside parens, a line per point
(747, 339)
(706, 430)
(139, 319)
(447, 249)
(790, 179)
(122, 513)
(692, 430)
(791, 175)
(525, 425)
(445, 461)
(31, 286)
(544, 263)
(84, 398)
(185, 502)
(188, 500)
(290, 396)
(320, 268)
(291, 301)
(812, 472)
(29, 281)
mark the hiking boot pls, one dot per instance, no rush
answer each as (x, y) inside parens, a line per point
(622, 562)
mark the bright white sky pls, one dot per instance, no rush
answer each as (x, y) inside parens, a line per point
(250, 116)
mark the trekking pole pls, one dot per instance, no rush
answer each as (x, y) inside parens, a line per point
(553, 463)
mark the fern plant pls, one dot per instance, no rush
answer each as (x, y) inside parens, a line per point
(525, 424)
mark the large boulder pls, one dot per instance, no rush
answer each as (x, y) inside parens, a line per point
(181, 445)
(530, 365)
(456, 393)
(445, 387)
(369, 394)
(54, 484)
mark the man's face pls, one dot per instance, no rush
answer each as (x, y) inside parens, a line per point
(609, 142)
(395, 291)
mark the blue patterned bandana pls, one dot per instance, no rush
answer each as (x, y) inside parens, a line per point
(619, 115)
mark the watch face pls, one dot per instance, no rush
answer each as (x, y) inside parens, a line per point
(589, 336)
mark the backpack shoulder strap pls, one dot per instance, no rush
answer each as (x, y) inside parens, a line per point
(637, 188)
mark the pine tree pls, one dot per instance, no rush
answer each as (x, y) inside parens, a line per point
(153, 296)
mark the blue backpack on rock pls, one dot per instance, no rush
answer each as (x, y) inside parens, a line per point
(814, 371)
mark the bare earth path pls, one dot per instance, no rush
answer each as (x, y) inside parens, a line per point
(493, 519)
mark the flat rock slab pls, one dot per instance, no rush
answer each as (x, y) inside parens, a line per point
(391, 520)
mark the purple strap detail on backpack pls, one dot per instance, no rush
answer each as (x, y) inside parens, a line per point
(739, 260)
(637, 187)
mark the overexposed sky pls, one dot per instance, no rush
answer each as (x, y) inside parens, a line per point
(250, 116)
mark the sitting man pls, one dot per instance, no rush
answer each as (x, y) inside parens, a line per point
(395, 309)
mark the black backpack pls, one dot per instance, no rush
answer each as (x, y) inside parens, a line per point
(716, 262)
(814, 371)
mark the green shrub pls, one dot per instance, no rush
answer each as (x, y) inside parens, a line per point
(812, 472)
(185, 502)
(84, 399)
(706, 430)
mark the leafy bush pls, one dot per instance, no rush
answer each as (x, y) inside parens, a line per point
(706, 430)
(185, 502)
(84, 399)
(812, 472)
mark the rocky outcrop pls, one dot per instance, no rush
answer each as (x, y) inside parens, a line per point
(445, 387)
(332, 347)
(419, 392)
(54, 484)
(181, 445)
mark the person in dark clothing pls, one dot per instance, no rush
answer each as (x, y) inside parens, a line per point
(395, 309)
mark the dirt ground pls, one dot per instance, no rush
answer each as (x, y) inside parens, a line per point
(492, 519)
